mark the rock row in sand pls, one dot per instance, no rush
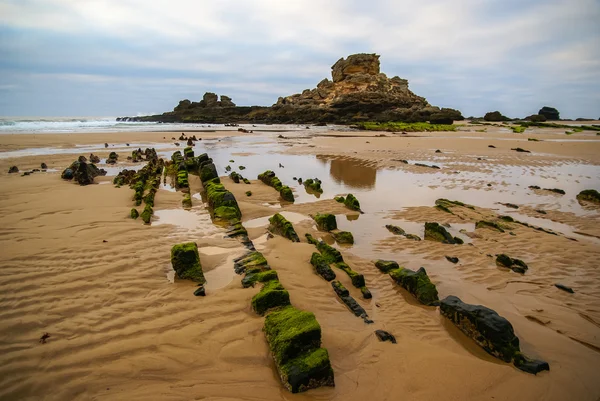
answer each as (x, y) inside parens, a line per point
(417, 283)
(280, 225)
(269, 178)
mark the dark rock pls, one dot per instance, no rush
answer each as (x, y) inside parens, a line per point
(13, 169)
(495, 116)
(44, 166)
(491, 146)
(589, 195)
(550, 113)
(280, 225)
(322, 267)
(452, 259)
(186, 262)
(67, 174)
(94, 159)
(325, 221)
(516, 265)
(417, 283)
(521, 150)
(435, 232)
(564, 288)
(385, 336)
(385, 266)
(533, 366)
(200, 291)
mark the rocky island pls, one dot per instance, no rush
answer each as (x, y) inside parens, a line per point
(358, 91)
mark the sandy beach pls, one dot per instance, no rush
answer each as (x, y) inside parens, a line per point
(73, 264)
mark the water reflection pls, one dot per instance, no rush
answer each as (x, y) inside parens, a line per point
(350, 172)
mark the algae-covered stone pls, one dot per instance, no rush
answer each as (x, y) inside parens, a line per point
(490, 331)
(330, 254)
(147, 214)
(272, 295)
(134, 213)
(589, 195)
(489, 224)
(186, 202)
(366, 293)
(385, 266)
(248, 193)
(436, 232)
(325, 221)
(339, 289)
(322, 266)
(343, 237)
(313, 185)
(251, 263)
(358, 280)
(352, 203)
(311, 240)
(417, 283)
(395, 229)
(188, 152)
(286, 194)
(280, 225)
(340, 199)
(186, 262)
(208, 172)
(294, 339)
(516, 265)
(260, 277)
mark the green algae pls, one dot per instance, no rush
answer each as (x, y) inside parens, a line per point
(325, 221)
(272, 295)
(358, 280)
(352, 203)
(147, 214)
(417, 283)
(385, 266)
(321, 266)
(186, 202)
(186, 262)
(436, 232)
(343, 237)
(280, 225)
(134, 213)
(261, 277)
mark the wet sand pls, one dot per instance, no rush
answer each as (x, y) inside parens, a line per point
(121, 328)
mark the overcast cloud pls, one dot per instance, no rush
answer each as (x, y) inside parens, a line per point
(128, 57)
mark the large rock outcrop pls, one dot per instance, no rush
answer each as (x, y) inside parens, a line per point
(358, 91)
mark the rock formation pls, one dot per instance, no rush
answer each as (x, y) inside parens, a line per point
(550, 113)
(357, 92)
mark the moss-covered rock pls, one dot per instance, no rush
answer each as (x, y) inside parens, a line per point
(235, 177)
(343, 237)
(417, 283)
(311, 240)
(366, 293)
(436, 232)
(490, 331)
(260, 277)
(280, 225)
(412, 237)
(294, 339)
(325, 221)
(272, 295)
(270, 179)
(287, 194)
(252, 262)
(322, 266)
(385, 266)
(340, 199)
(188, 152)
(358, 280)
(186, 262)
(248, 193)
(352, 203)
(589, 195)
(222, 202)
(313, 185)
(208, 172)
(339, 289)
(186, 202)
(147, 214)
(489, 224)
(516, 265)
(395, 229)
(330, 254)
(182, 179)
(350, 302)
(134, 213)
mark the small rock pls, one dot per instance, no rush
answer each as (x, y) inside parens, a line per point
(44, 166)
(438, 151)
(200, 291)
(385, 336)
(452, 259)
(13, 169)
(44, 337)
(564, 288)
(491, 146)
(106, 145)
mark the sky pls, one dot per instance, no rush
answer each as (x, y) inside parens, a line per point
(134, 57)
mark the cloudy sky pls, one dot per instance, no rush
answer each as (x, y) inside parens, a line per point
(130, 57)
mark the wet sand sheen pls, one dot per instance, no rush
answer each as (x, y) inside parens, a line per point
(119, 329)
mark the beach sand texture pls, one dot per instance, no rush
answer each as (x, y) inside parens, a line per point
(74, 265)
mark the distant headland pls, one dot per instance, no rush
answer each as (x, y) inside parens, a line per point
(357, 92)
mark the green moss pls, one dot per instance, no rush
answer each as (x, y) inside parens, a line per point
(589, 195)
(325, 221)
(134, 213)
(313, 185)
(448, 203)
(186, 202)
(417, 283)
(186, 262)
(358, 280)
(311, 239)
(260, 277)
(339, 289)
(236, 229)
(246, 181)
(330, 254)
(395, 229)
(489, 224)
(406, 127)
(321, 266)
(516, 265)
(149, 198)
(248, 193)
(436, 232)
(208, 172)
(227, 168)
(340, 199)
(147, 214)
(242, 167)
(352, 203)
(518, 129)
(272, 295)
(286, 194)
(343, 237)
(182, 179)
(254, 262)
(280, 225)
(385, 266)
(413, 237)
(366, 293)
(226, 213)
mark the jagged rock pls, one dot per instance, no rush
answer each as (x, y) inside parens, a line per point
(417, 283)
(280, 225)
(186, 262)
(343, 237)
(344, 295)
(269, 178)
(294, 338)
(550, 113)
(13, 169)
(490, 331)
(436, 232)
(200, 291)
(325, 221)
(313, 185)
(352, 203)
(385, 336)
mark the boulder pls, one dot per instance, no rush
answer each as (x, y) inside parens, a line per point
(325, 221)
(417, 283)
(44, 166)
(147, 214)
(589, 195)
(294, 338)
(280, 225)
(134, 213)
(550, 113)
(186, 262)
(313, 185)
(495, 116)
(343, 237)
(14, 169)
(352, 203)
(490, 331)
